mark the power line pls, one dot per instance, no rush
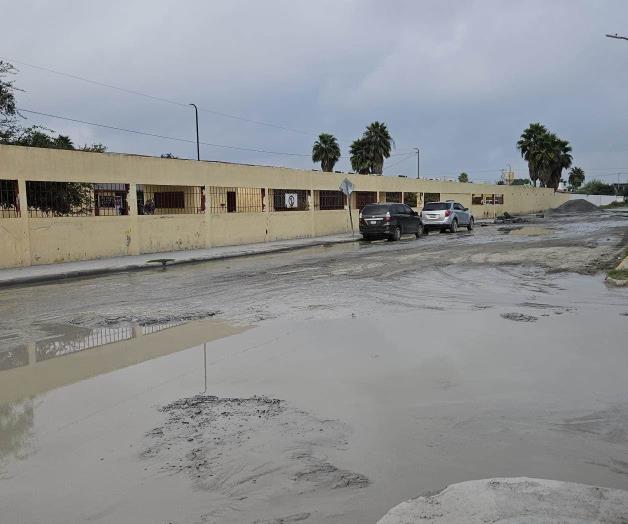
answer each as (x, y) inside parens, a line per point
(408, 157)
(157, 98)
(168, 100)
(155, 135)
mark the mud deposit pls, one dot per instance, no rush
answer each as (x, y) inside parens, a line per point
(519, 317)
(249, 448)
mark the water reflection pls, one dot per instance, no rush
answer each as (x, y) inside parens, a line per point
(65, 339)
(69, 353)
(13, 357)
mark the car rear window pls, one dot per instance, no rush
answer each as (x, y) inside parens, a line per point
(436, 206)
(375, 209)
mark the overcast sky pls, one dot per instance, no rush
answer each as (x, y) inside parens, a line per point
(459, 79)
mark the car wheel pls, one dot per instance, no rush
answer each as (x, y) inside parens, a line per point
(426, 230)
(419, 230)
(454, 226)
(396, 235)
(470, 225)
(366, 238)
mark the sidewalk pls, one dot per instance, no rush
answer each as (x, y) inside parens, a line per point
(50, 272)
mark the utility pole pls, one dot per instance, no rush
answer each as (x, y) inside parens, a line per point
(618, 37)
(418, 162)
(198, 144)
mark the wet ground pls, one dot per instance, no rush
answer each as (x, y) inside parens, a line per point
(335, 381)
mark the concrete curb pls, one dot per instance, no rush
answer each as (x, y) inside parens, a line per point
(88, 272)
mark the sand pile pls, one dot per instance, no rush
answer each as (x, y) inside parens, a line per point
(516, 501)
(579, 205)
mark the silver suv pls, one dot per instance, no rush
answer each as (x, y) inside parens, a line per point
(446, 216)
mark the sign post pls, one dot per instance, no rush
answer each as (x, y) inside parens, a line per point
(347, 188)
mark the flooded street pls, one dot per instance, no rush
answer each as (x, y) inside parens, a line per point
(322, 385)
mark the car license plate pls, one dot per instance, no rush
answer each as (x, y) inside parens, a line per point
(372, 222)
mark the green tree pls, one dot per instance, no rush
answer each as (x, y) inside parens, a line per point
(546, 154)
(169, 155)
(597, 187)
(576, 177)
(326, 151)
(520, 182)
(369, 151)
(379, 145)
(8, 108)
(463, 177)
(528, 144)
(360, 159)
(37, 136)
(95, 148)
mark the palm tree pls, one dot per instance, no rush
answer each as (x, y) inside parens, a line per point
(576, 177)
(549, 156)
(379, 144)
(528, 145)
(326, 151)
(563, 160)
(360, 158)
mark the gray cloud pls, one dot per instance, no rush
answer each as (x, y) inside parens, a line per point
(461, 79)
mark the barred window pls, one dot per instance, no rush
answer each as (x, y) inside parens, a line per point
(170, 200)
(236, 199)
(499, 200)
(431, 197)
(59, 199)
(9, 201)
(363, 198)
(331, 200)
(289, 200)
(393, 196)
(489, 199)
(410, 199)
(477, 200)
(111, 199)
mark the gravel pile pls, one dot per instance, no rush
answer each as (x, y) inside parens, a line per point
(579, 205)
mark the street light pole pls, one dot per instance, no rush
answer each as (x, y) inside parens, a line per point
(198, 144)
(418, 162)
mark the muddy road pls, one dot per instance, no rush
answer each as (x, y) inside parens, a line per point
(322, 385)
(438, 271)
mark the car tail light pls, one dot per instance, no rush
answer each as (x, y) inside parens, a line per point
(447, 213)
(360, 215)
(387, 217)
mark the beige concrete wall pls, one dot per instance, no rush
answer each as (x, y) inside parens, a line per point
(238, 228)
(67, 239)
(159, 233)
(283, 225)
(27, 241)
(329, 222)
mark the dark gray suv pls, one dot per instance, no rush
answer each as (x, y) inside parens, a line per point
(389, 221)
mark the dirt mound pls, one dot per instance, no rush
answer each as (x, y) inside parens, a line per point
(579, 205)
(515, 500)
(240, 450)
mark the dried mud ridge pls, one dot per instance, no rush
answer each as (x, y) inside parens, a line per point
(249, 447)
(519, 317)
(93, 320)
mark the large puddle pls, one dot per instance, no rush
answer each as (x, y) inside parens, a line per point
(318, 420)
(71, 353)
